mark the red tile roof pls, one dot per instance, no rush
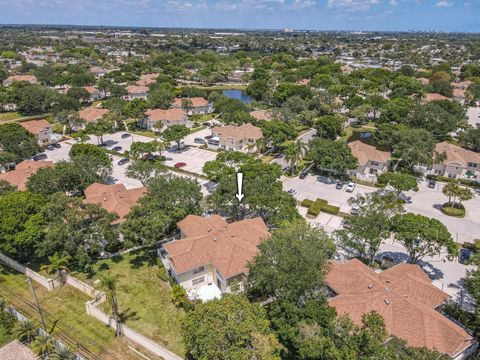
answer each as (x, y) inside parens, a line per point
(35, 126)
(164, 115)
(228, 247)
(406, 299)
(92, 113)
(23, 171)
(196, 102)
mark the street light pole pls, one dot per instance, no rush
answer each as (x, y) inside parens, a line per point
(39, 310)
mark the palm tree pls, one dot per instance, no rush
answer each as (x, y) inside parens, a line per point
(109, 284)
(57, 264)
(464, 194)
(450, 190)
(294, 152)
(25, 331)
(43, 345)
(63, 353)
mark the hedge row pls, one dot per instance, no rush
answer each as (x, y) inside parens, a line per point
(449, 210)
(471, 183)
(315, 207)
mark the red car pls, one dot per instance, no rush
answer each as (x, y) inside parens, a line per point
(180, 164)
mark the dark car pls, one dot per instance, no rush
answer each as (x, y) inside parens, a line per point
(50, 147)
(209, 137)
(123, 161)
(117, 148)
(464, 255)
(339, 185)
(432, 184)
(56, 145)
(126, 135)
(303, 175)
(41, 156)
(199, 141)
(180, 164)
(405, 198)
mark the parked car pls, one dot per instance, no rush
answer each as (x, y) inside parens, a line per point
(407, 199)
(180, 164)
(465, 255)
(50, 147)
(432, 184)
(41, 156)
(199, 141)
(339, 185)
(125, 135)
(117, 148)
(292, 191)
(208, 137)
(56, 145)
(350, 186)
(355, 209)
(303, 175)
(123, 161)
(168, 159)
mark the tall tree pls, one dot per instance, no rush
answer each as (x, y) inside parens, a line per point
(109, 284)
(176, 133)
(331, 155)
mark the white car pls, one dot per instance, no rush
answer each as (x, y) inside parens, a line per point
(350, 187)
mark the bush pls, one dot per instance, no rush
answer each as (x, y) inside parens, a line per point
(458, 211)
(315, 209)
(180, 298)
(471, 183)
(307, 203)
(469, 246)
(330, 209)
(322, 202)
(162, 272)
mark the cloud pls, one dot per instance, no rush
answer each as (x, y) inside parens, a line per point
(443, 3)
(353, 5)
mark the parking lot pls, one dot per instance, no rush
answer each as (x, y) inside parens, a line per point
(425, 201)
(190, 139)
(193, 158)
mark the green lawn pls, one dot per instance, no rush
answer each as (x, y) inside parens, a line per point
(9, 116)
(5, 337)
(146, 133)
(143, 298)
(64, 312)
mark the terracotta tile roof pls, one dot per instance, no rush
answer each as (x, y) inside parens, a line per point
(164, 115)
(424, 81)
(459, 93)
(147, 79)
(261, 114)
(194, 225)
(196, 102)
(303, 82)
(245, 131)
(29, 78)
(462, 84)
(137, 89)
(92, 113)
(406, 299)
(114, 198)
(434, 96)
(456, 154)
(91, 89)
(35, 126)
(15, 350)
(228, 248)
(23, 171)
(364, 153)
(97, 70)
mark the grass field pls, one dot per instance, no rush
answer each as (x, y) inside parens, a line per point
(144, 300)
(7, 116)
(65, 316)
(5, 337)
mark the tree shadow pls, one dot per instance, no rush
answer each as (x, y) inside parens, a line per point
(140, 260)
(432, 272)
(117, 258)
(128, 314)
(462, 296)
(104, 267)
(437, 207)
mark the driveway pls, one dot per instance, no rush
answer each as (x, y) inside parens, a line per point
(473, 114)
(189, 139)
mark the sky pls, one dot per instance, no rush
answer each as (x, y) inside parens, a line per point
(387, 15)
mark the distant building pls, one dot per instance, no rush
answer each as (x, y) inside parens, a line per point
(197, 105)
(94, 93)
(32, 79)
(92, 114)
(42, 129)
(167, 117)
(406, 299)
(371, 161)
(261, 115)
(136, 92)
(147, 79)
(458, 163)
(237, 138)
(433, 97)
(23, 171)
(98, 72)
(213, 253)
(114, 198)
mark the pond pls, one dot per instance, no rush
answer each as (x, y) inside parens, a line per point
(237, 94)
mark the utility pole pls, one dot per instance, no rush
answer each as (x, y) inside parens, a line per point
(39, 310)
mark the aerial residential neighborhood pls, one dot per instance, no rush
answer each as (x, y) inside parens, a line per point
(251, 180)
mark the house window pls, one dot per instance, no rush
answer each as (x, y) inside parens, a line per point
(199, 270)
(438, 172)
(452, 176)
(473, 165)
(198, 280)
(250, 140)
(374, 163)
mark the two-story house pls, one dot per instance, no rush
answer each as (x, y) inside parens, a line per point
(94, 93)
(371, 161)
(92, 114)
(42, 129)
(194, 105)
(406, 299)
(157, 119)
(456, 162)
(213, 253)
(136, 92)
(237, 138)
